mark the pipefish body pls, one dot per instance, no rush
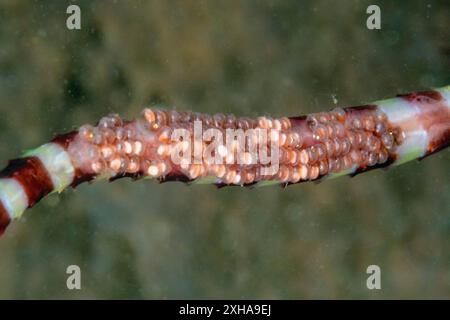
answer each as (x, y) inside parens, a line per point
(344, 141)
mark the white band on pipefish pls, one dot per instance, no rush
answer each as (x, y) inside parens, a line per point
(57, 162)
(445, 92)
(13, 197)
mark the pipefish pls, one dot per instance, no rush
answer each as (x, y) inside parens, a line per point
(226, 150)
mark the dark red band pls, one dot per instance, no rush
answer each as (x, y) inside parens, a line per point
(32, 175)
(65, 139)
(422, 95)
(4, 219)
(81, 177)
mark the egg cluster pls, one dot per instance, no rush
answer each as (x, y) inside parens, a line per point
(308, 147)
(351, 139)
(237, 164)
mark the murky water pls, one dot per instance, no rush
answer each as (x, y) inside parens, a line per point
(145, 240)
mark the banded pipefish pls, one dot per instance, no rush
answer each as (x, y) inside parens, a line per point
(343, 141)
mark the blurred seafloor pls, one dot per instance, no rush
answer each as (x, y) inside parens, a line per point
(144, 240)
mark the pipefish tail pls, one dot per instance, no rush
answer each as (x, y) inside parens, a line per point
(226, 150)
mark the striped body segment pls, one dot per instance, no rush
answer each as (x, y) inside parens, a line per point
(344, 141)
(27, 180)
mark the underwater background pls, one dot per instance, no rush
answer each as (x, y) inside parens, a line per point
(146, 240)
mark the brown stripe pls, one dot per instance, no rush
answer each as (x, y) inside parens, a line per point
(391, 159)
(81, 177)
(358, 109)
(298, 118)
(421, 96)
(64, 139)
(32, 175)
(4, 219)
(134, 176)
(221, 185)
(176, 176)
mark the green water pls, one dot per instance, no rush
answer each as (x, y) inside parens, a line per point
(145, 240)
